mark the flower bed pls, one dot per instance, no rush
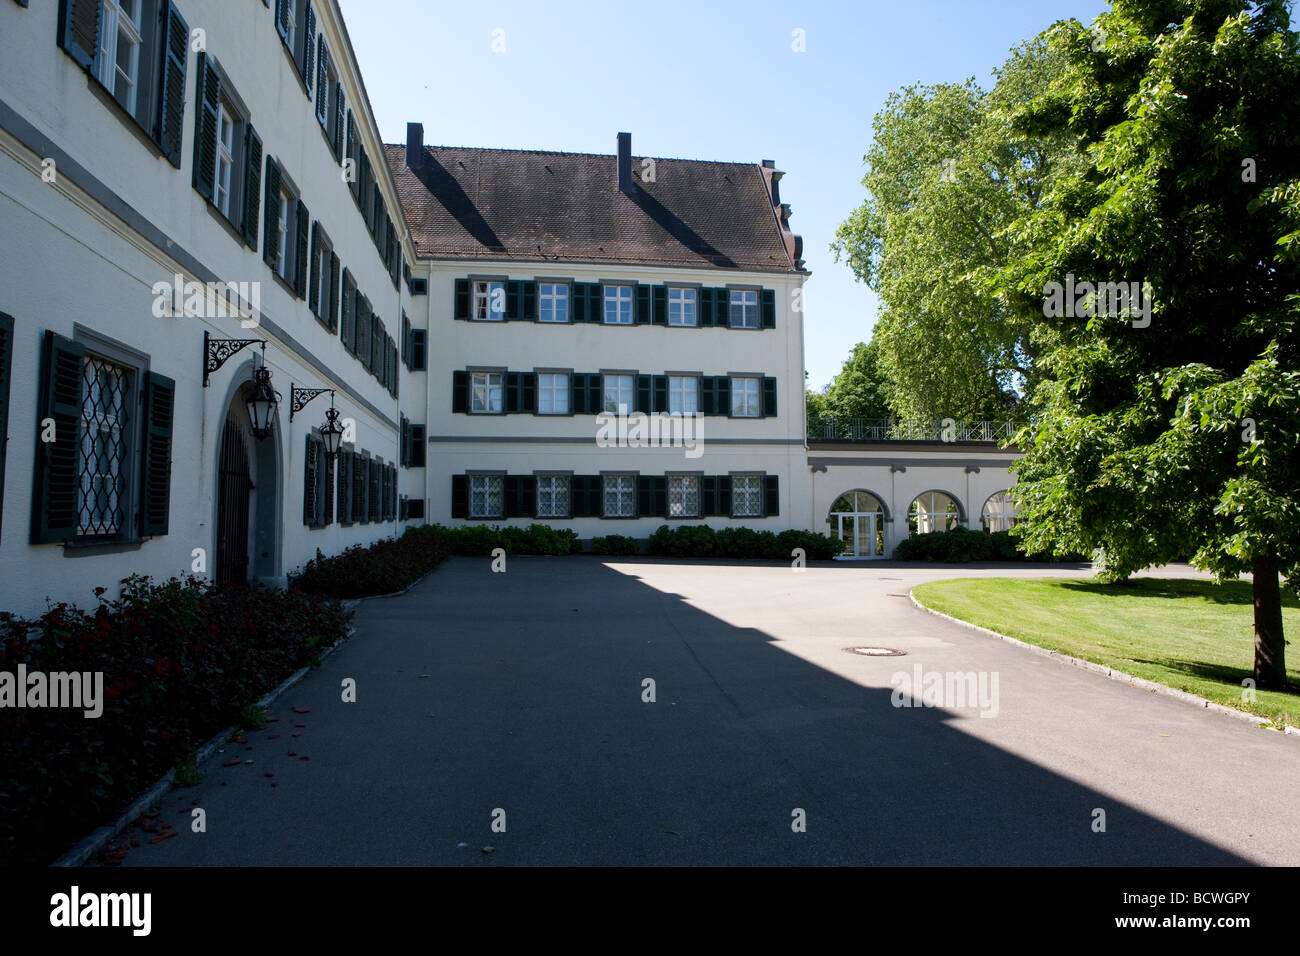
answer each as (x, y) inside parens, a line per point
(180, 661)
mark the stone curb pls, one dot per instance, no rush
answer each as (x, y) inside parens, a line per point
(1117, 675)
(96, 841)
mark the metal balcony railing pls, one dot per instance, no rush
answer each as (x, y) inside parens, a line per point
(892, 429)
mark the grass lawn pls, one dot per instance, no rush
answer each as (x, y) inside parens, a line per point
(1192, 635)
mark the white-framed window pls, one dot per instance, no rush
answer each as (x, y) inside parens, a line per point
(932, 511)
(744, 309)
(284, 229)
(225, 171)
(683, 496)
(290, 11)
(618, 305)
(486, 393)
(620, 393)
(487, 496)
(489, 301)
(553, 302)
(683, 394)
(746, 496)
(552, 393)
(552, 496)
(618, 493)
(120, 39)
(745, 397)
(681, 307)
(999, 512)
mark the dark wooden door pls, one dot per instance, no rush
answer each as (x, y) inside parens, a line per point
(234, 487)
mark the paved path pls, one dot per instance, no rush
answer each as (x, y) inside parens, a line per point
(523, 691)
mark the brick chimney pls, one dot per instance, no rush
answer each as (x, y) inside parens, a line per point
(415, 145)
(625, 183)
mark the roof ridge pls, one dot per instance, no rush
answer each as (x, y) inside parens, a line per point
(560, 152)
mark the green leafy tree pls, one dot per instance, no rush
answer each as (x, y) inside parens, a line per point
(947, 175)
(858, 391)
(1181, 437)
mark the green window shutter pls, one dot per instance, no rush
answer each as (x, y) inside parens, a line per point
(643, 305)
(300, 263)
(460, 496)
(462, 299)
(769, 397)
(347, 321)
(513, 388)
(364, 323)
(350, 153)
(417, 446)
(156, 466)
(167, 132)
(282, 19)
(460, 391)
(358, 488)
(511, 508)
(406, 340)
(79, 30)
(270, 247)
(327, 491)
(723, 386)
(377, 344)
(252, 185)
(343, 506)
(721, 307)
(595, 396)
(660, 506)
(708, 395)
(322, 83)
(771, 496)
(706, 308)
(308, 42)
(708, 495)
(376, 490)
(309, 484)
(528, 400)
(208, 88)
(767, 303)
(6, 369)
(578, 393)
(661, 305)
(530, 301)
(333, 316)
(404, 443)
(644, 403)
(313, 286)
(579, 302)
(340, 120)
(661, 393)
(54, 485)
(724, 495)
(644, 495)
(513, 303)
(595, 302)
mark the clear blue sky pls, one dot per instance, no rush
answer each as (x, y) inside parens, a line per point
(705, 79)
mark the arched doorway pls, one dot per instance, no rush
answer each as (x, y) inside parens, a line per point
(934, 511)
(248, 498)
(857, 518)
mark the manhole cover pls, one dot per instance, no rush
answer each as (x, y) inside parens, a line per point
(875, 651)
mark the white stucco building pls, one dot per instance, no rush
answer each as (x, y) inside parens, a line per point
(193, 191)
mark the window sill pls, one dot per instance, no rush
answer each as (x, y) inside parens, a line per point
(89, 547)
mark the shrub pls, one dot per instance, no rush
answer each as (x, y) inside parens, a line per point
(479, 540)
(615, 544)
(180, 661)
(702, 541)
(381, 568)
(961, 545)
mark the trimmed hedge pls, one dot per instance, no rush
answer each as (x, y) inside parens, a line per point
(702, 541)
(617, 544)
(479, 540)
(180, 661)
(380, 568)
(961, 545)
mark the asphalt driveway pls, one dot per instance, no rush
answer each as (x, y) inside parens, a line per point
(517, 699)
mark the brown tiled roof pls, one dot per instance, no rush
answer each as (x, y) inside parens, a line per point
(470, 203)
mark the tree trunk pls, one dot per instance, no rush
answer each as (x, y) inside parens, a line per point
(1270, 647)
